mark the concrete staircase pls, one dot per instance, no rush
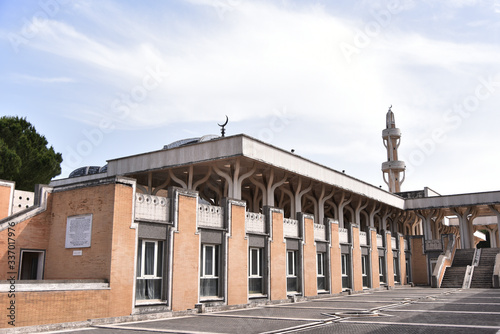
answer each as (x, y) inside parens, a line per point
(454, 275)
(483, 273)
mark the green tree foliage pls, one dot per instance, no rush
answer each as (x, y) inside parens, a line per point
(24, 155)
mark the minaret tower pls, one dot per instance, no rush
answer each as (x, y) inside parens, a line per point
(393, 168)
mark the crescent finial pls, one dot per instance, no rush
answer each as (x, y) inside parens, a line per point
(223, 125)
(222, 129)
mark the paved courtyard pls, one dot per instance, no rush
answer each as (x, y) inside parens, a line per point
(401, 310)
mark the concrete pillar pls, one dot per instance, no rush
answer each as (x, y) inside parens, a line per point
(493, 237)
(496, 211)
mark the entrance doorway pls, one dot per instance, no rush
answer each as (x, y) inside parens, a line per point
(31, 264)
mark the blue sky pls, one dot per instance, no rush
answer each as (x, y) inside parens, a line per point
(105, 79)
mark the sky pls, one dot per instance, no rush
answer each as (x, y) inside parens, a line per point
(106, 79)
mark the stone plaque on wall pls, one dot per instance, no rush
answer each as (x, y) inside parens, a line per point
(79, 231)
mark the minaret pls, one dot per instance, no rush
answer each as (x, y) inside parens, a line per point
(392, 167)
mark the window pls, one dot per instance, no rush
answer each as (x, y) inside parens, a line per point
(364, 270)
(149, 269)
(32, 264)
(396, 269)
(407, 270)
(209, 281)
(321, 278)
(381, 269)
(345, 271)
(255, 267)
(291, 271)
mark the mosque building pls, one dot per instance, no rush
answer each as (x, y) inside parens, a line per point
(222, 222)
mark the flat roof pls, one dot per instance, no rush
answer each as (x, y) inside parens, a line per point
(244, 146)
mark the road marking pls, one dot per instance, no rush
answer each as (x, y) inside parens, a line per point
(418, 324)
(156, 330)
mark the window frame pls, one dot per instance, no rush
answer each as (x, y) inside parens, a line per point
(158, 268)
(155, 261)
(294, 263)
(215, 269)
(321, 269)
(344, 270)
(259, 262)
(381, 270)
(215, 262)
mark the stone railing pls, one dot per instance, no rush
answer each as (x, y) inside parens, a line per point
(380, 241)
(290, 228)
(152, 208)
(255, 222)
(319, 232)
(362, 238)
(210, 216)
(394, 244)
(433, 245)
(343, 236)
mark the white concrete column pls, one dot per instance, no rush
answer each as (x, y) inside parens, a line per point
(466, 239)
(496, 211)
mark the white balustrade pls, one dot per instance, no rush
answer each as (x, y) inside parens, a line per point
(210, 216)
(380, 242)
(362, 238)
(255, 222)
(433, 245)
(393, 243)
(152, 208)
(319, 232)
(343, 236)
(290, 228)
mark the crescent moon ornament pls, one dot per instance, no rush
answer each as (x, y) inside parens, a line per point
(222, 129)
(223, 125)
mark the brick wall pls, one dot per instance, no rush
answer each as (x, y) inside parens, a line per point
(310, 281)
(390, 260)
(374, 258)
(356, 260)
(278, 258)
(186, 256)
(111, 256)
(6, 190)
(50, 307)
(418, 261)
(336, 264)
(237, 262)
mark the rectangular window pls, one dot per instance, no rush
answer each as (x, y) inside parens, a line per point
(345, 271)
(149, 269)
(255, 275)
(209, 280)
(321, 278)
(291, 271)
(364, 270)
(396, 269)
(381, 269)
(407, 270)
